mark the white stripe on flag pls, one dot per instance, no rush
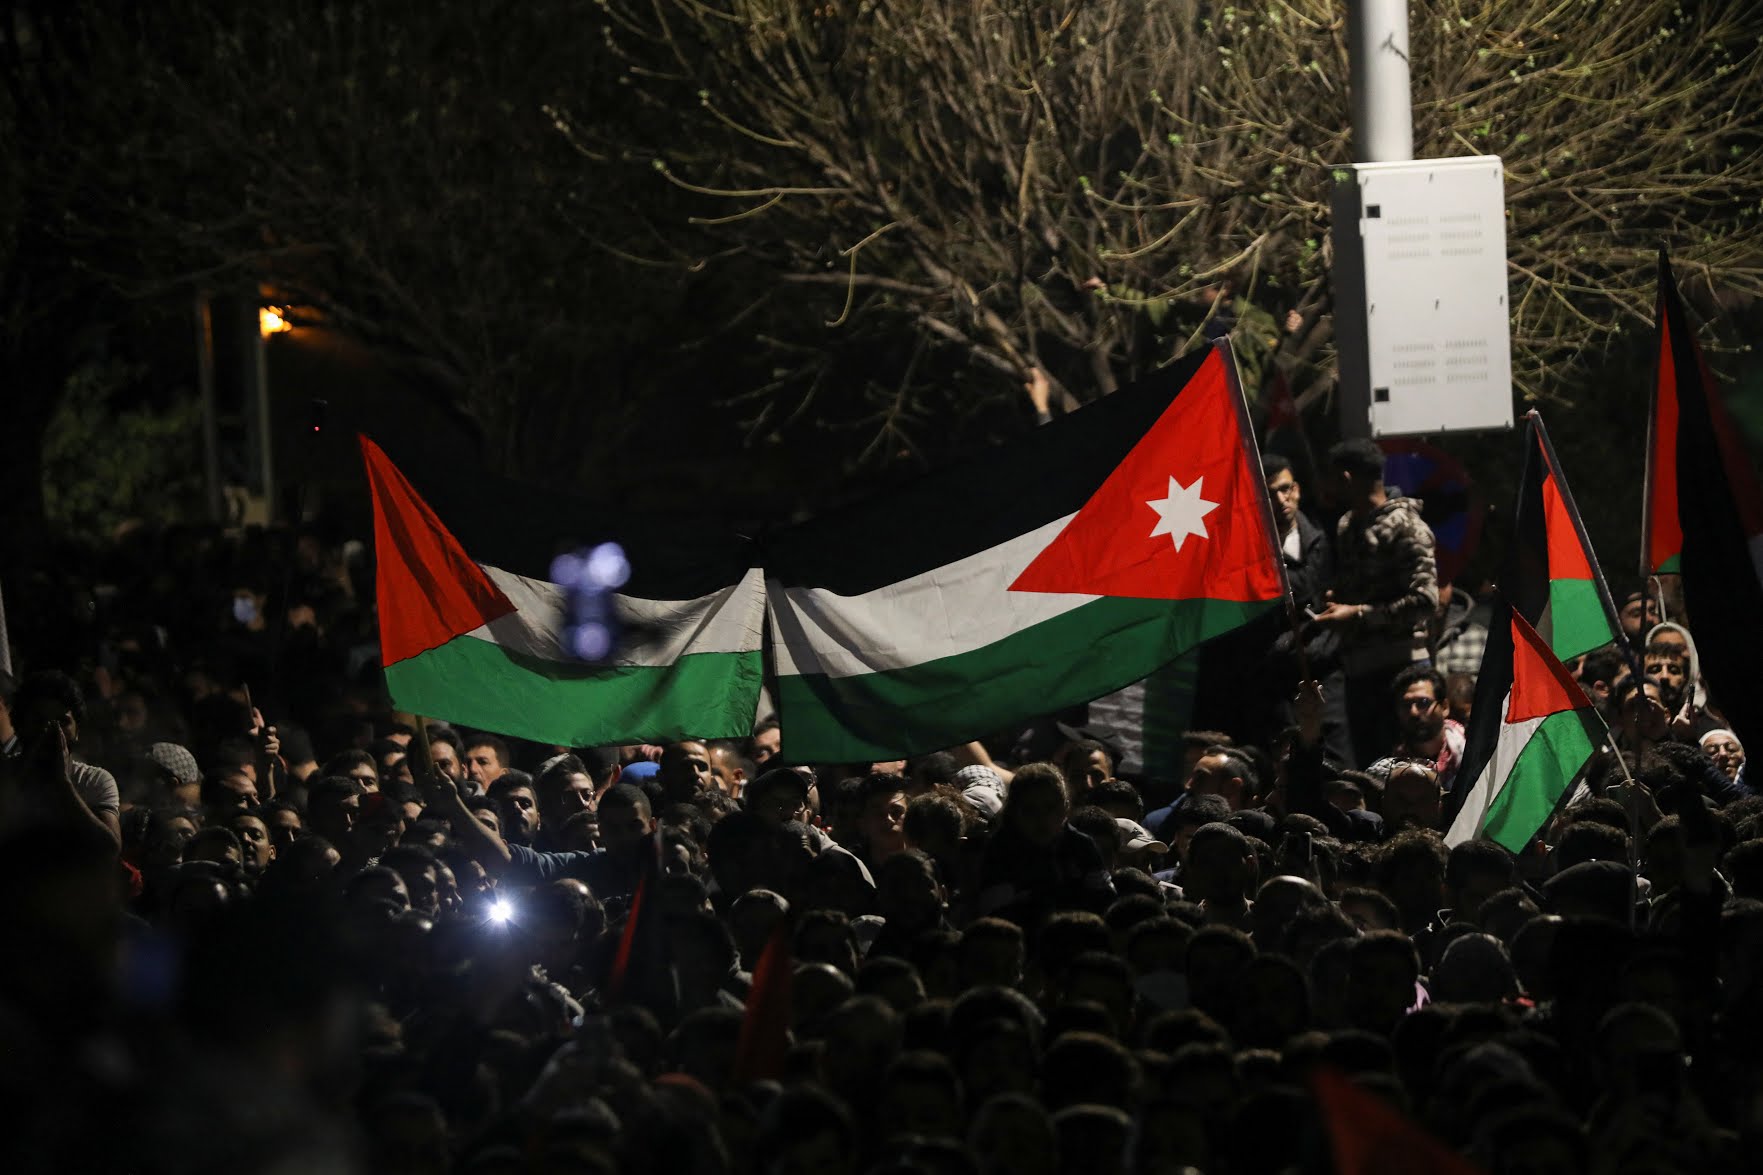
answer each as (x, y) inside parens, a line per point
(1493, 778)
(956, 608)
(659, 632)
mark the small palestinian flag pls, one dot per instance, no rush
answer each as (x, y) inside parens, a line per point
(1038, 575)
(1527, 745)
(472, 630)
(1718, 508)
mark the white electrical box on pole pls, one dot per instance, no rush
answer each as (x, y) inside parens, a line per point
(1422, 320)
(1422, 317)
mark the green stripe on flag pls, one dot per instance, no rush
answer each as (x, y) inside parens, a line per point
(1082, 654)
(1577, 618)
(1671, 566)
(1546, 767)
(480, 684)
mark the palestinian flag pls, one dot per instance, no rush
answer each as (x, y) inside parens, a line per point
(472, 630)
(1035, 576)
(1523, 749)
(1719, 510)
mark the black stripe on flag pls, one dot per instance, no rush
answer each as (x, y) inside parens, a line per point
(520, 528)
(991, 497)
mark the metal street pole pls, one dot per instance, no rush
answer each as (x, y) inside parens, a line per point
(1383, 107)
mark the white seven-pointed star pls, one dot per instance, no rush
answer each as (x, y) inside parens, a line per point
(1183, 512)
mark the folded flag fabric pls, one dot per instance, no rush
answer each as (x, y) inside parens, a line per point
(1719, 515)
(1035, 576)
(1368, 1136)
(473, 630)
(1533, 731)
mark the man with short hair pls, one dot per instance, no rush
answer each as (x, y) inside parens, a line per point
(1386, 589)
(486, 759)
(767, 742)
(729, 768)
(49, 711)
(253, 834)
(517, 804)
(1226, 773)
(1666, 663)
(445, 751)
(1428, 733)
(564, 789)
(685, 771)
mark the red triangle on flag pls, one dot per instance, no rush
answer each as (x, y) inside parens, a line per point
(1541, 685)
(1567, 556)
(1183, 516)
(429, 589)
(1371, 1137)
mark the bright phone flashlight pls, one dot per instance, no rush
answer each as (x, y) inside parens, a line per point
(501, 910)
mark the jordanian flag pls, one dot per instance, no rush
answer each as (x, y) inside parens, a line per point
(1524, 751)
(473, 631)
(1033, 576)
(1719, 510)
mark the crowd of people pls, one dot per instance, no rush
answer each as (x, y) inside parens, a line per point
(255, 920)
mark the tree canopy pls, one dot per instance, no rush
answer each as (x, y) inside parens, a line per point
(1079, 184)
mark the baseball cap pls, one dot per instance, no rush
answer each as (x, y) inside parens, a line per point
(1135, 837)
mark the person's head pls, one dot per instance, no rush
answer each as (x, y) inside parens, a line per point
(882, 824)
(1640, 612)
(226, 792)
(934, 824)
(1724, 748)
(1476, 870)
(1037, 804)
(354, 764)
(1421, 704)
(806, 1131)
(1383, 969)
(284, 823)
(921, 1097)
(517, 804)
(1221, 865)
(730, 768)
(1283, 489)
(1412, 797)
(444, 749)
(908, 892)
(49, 697)
(1460, 696)
(766, 743)
(1199, 811)
(216, 844)
(778, 796)
(564, 789)
(685, 771)
(626, 821)
(486, 758)
(1085, 764)
(333, 806)
(1370, 909)
(1224, 772)
(991, 954)
(420, 872)
(1641, 708)
(377, 886)
(1411, 871)
(254, 840)
(1666, 663)
(1355, 472)
(173, 769)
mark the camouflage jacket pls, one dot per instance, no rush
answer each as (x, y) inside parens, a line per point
(1385, 561)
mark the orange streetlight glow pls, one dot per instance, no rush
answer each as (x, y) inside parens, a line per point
(270, 321)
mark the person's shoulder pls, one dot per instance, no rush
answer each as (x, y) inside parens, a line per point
(96, 785)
